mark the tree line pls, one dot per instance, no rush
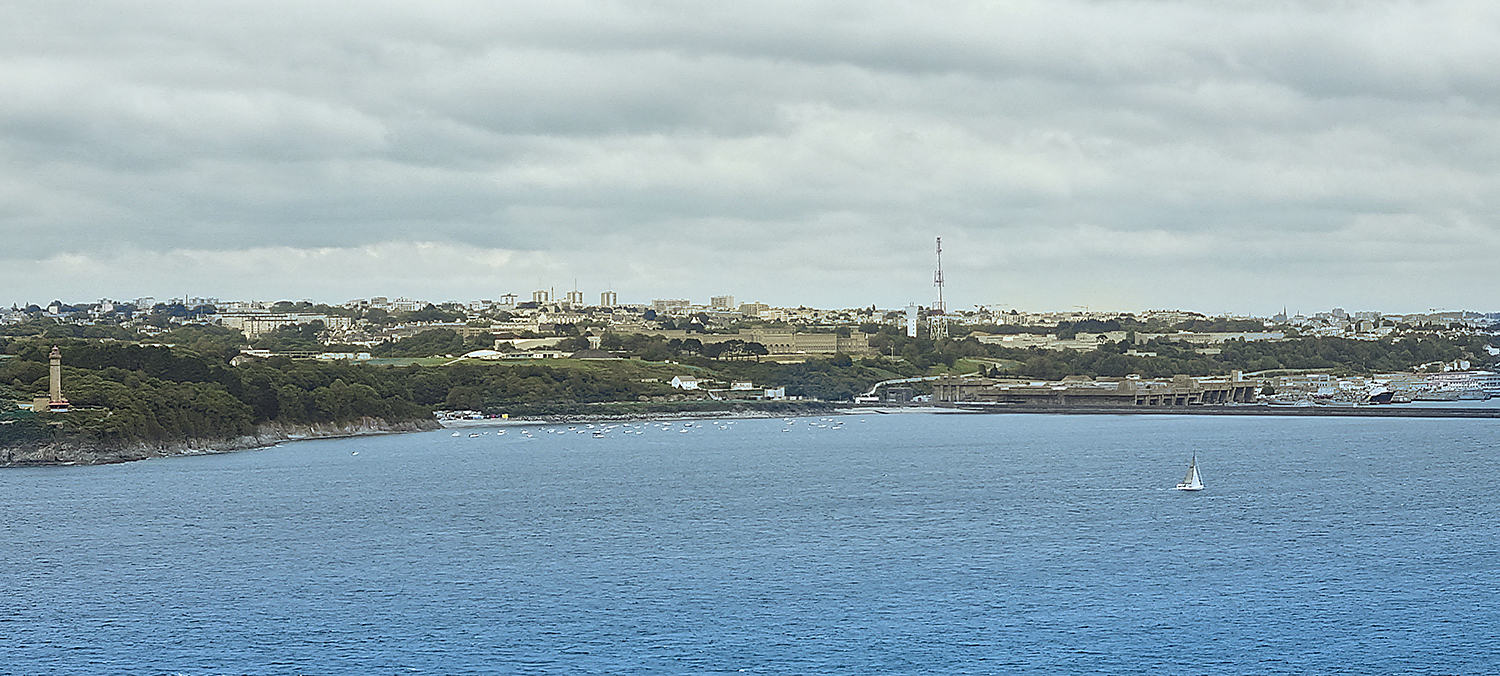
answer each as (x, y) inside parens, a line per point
(126, 391)
(155, 392)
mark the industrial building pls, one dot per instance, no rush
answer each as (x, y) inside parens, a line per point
(1082, 391)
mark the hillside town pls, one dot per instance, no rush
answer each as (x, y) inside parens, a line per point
(784, 330)
(547, 327)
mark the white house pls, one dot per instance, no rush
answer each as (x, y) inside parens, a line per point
(684, 382)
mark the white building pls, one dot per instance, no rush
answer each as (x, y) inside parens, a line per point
(406, 305)
(1467, 380)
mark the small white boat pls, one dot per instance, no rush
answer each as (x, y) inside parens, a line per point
(1191, 482)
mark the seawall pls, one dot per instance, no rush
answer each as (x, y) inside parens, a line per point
(1384, 411)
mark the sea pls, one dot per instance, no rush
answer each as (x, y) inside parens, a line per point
(865, 543)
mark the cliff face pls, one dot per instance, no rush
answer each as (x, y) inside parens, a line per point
(82, 451)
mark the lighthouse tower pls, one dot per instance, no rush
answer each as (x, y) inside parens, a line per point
(57, 403)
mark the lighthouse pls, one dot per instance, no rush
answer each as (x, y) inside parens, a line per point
(57, 402)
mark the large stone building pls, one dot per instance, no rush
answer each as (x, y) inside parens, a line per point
(1082, 391)
(1212, 338)
(671, 306)
(254, 324)
(783, 341)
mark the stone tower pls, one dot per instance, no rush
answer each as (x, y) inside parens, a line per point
(57, 399)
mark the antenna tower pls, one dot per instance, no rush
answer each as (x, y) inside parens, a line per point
(939, 308)
(939, 327)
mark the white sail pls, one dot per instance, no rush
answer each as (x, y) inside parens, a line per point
(1191, 482)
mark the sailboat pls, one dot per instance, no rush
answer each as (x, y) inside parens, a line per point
(1191, 482)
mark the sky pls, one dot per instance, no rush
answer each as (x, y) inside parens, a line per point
(1222, 156)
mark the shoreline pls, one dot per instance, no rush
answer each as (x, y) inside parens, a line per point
(79, 451)
(562, 419)
(745, 412)
(975, 408)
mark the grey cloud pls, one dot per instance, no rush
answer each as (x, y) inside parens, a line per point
(824, 140)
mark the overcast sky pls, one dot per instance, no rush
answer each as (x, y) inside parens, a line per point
(1219, 156)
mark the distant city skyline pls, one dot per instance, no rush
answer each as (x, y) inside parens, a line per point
(583, 299)
(1222, 157)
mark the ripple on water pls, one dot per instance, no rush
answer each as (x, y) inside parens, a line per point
(908, 544)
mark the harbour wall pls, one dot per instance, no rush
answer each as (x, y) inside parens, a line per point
(1383, 411)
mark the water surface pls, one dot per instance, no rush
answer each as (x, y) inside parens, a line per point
(860, 544)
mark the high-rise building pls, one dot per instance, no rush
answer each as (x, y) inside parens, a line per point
(721, 302)
(671, 307)
(608, 299)
(575, 298)
(539, 296)
(753, 309)
(911, 320)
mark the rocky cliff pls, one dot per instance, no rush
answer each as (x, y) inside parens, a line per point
(80, 450)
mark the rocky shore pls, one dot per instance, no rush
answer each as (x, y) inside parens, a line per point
(801, 409)
(84, 451)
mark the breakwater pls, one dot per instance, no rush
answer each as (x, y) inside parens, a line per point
(1290, 411)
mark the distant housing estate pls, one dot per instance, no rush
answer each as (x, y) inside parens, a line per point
(780, 330)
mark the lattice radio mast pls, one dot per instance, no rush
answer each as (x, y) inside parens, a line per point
(939, 323)
(938, 280)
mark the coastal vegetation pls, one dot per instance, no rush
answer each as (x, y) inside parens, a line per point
(127, 392)
(1168, 358)
(180, 383)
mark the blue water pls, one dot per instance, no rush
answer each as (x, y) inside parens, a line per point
(892, 544)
